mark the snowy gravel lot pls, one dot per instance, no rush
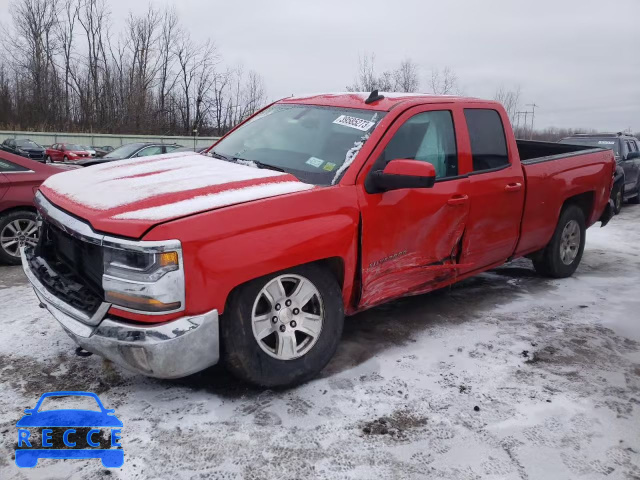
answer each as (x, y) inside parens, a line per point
(552, 365)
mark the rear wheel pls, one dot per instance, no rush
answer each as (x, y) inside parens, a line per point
(636, 198)
(562, 255)
(17, 229)
(618, 199)
(282, 329)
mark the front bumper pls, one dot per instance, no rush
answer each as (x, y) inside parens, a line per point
(169, 350)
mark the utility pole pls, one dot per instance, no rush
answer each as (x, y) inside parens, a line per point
(525, 113)
(533, 116)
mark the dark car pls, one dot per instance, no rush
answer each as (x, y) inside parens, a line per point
(102, 151)
(626, 149)
(25, 148)
(19, 180)
(191, 149)
(131, 150)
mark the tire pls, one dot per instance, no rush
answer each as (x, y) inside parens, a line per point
(618, 200)
(47, 159)
(259, 361)
(65, 158)
(636, 198)
(16, 229)
(562, 255)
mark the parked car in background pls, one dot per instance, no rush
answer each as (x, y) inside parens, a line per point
(316, 207)
(19, 180)
(102, 151)
(24, 147)
(131, 150)
(91, 150)
(626, 149)
(191, 149)
(65, 152)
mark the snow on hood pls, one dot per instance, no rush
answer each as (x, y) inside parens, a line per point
(163, 187)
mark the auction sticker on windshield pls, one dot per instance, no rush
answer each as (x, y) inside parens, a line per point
(354, 122)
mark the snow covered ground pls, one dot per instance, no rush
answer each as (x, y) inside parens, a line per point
(553, 367)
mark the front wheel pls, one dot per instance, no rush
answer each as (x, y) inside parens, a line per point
(562, 255)
(47, 159)
(65, 158)
(282, 329)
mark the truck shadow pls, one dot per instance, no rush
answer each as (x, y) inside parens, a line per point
(397, 323)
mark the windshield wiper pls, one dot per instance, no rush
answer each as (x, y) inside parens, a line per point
(215, 154)
(259, 164)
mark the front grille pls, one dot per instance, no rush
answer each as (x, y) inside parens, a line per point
(75, 268)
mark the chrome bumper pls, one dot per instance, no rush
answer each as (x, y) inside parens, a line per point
(169, 350)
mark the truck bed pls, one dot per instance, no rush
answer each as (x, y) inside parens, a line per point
(553, 173)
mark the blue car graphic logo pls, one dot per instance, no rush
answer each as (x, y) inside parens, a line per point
(74, 428)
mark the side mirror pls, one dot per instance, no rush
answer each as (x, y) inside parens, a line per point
(633, 155)
(399, 174)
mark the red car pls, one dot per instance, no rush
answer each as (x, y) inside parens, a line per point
(314, 208)
(19, 180)
(65, 152)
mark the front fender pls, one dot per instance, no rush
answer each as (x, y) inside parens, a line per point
(226, 248)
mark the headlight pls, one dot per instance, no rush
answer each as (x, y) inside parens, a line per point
(144, 277)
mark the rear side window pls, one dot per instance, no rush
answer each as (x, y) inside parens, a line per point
(6, 166)
(488, 141)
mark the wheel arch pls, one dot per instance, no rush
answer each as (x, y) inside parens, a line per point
(585, 201)
(17, 208)
(335, 265)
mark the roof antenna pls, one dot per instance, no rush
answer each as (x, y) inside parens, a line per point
(373, 97)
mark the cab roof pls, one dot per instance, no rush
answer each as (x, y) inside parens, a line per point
(390, 100)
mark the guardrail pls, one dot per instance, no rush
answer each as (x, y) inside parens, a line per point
(104, 139)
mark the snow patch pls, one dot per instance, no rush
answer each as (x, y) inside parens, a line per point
(215, 200)
(109, 186)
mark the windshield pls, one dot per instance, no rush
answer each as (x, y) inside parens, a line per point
(601, 142)
(27, 144)
(124, 151)
(74, 147)
(316, 144)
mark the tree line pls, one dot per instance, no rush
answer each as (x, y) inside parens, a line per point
(63, 69)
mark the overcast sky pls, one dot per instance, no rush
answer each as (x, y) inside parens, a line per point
(579, 60)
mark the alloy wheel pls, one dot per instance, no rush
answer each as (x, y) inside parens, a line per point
(287, 317)
(18, 233)
(570, 242)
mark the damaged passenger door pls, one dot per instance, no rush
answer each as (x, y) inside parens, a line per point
(410, 236)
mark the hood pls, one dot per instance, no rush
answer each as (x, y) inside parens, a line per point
(130, 196)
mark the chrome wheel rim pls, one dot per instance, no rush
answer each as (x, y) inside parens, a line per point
(18, 233)
(287, 317)
(570, 242)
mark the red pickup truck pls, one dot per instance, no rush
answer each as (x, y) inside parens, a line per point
(315, 208)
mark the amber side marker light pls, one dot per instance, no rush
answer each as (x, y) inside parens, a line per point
(139, 303)
(167, 259)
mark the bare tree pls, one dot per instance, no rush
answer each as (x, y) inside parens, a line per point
(367, 79)
(510, 100)
(406, 77)
(444, 82)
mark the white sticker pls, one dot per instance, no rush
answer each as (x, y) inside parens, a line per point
(314, 162)
(354, 122)
(602, 142)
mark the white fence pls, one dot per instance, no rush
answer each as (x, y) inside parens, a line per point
(101, 139)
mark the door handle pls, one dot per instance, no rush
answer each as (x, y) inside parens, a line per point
(513, 187)
(457, 200)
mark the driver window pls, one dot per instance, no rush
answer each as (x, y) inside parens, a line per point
(427, 137)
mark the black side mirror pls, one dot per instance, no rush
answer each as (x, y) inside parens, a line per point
(633, 155)
(399, 174)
